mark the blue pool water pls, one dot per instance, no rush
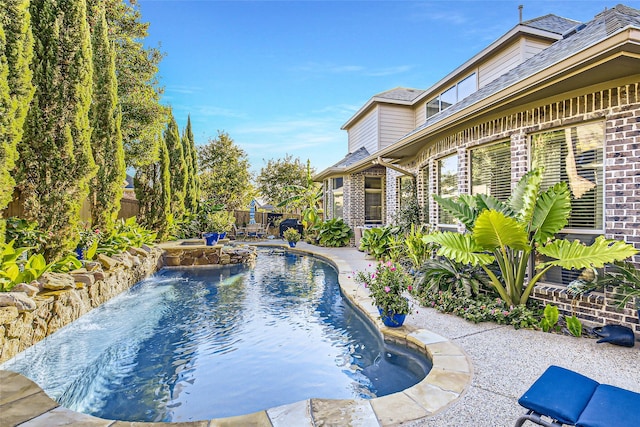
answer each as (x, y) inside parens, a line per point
(196, 344)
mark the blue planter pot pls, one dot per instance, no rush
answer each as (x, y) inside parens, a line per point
(391, 320)
(292, 244)
(79, 253)
(211, 238)
(222, 235)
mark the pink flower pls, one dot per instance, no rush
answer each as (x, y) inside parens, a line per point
(506, 313)
(373, 276)
(389, 264)
(409, 288)
(387, 289)
(392, 269)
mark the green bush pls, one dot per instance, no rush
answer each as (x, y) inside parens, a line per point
(445, 275)
(334, 233)
(378, 242)
(484, 308)
(25, 234)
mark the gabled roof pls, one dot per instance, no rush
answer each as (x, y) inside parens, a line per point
(593, 32)
(398, 96)
(560, 59)
(348, 160)
(551, 23)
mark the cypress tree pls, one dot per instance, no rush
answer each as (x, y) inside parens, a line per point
(191, 196)
(106, 140)
(16, 89)
(177, 165)
(56, 163)
(152, 184)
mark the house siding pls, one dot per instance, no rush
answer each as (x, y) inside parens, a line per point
(507, 59)
(365, 133)
(420, 116)
(395, 122)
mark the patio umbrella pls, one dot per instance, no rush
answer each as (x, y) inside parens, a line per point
(252, 212)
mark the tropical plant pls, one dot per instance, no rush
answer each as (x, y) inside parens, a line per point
(625, 278)
(509, 233)
(442, 274)
(550, 318)
(126, 234)
(387, 286)
(25, 234)
(377, 241)
(291, 235)
(574, 325)
(334, 233)
(14, 269)
(307, 197)
(416, 248)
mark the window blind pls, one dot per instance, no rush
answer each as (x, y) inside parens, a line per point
(491, 170)
(447, 185)
(574, 155)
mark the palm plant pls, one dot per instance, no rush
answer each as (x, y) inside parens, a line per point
(509, 233)
(308, 197)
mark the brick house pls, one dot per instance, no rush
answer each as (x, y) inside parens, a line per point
(551, 92)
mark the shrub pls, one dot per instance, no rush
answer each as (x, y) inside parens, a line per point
(334, 233)
(483, 309)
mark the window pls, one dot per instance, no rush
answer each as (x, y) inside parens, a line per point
(373, 200)
(406, 191)
(337, 183)
(338, 198)
(447, 185)
(574, 155)
(456, 93)
(491, 170)
(425, 193)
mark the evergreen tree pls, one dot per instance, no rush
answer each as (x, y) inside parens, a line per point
(191, 196)
(56, 163)
(224, 173)
(152, 186)
(16, 89)
(177, 165)
(143, 117)
(106, 140)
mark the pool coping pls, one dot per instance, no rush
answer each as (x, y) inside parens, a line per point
(24, 403)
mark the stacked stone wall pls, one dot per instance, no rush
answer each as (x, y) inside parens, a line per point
(32, 312)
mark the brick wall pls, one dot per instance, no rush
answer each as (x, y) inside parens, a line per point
(619, 108)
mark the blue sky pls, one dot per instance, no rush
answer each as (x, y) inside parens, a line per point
(282, 77)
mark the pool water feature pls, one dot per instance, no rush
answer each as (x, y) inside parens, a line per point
(193, 344)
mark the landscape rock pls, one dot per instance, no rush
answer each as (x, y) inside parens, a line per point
(56, 281)
(107, 262)
(28, 289)
(8, 314)
(19, 300)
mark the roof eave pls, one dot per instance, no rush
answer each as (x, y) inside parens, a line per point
(495, 46)
(579, 62)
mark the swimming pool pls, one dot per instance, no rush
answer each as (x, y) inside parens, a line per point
(203, 343)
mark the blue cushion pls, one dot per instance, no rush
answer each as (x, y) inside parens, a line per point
(611, 406)
(559, 393)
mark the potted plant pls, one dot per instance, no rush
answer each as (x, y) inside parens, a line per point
(292, 236)
(387, 285)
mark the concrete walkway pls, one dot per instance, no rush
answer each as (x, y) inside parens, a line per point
(507, 361)
(504, 363)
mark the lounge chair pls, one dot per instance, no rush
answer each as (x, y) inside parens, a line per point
(565, 397)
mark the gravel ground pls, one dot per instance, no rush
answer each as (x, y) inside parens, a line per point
(507, 361)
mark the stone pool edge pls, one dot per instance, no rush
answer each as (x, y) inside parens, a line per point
(24, 403)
